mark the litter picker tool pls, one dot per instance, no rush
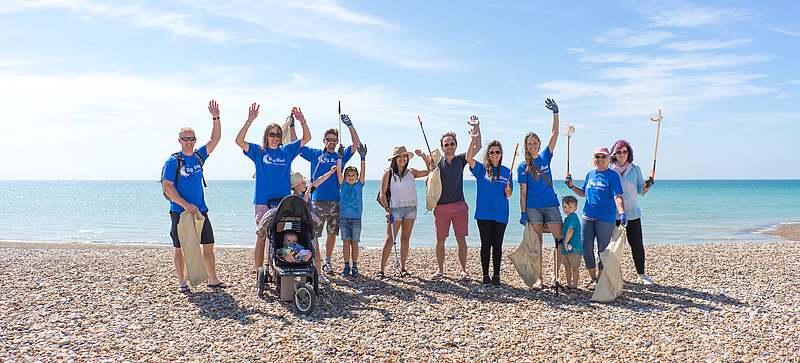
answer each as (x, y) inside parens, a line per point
(568, 131)
(423, 135)
(394, 243)
(652, 178)
(510, 175)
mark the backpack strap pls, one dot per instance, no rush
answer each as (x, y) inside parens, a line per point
(202, 175)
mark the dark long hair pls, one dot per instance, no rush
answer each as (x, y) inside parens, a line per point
(617, 145)
(490, 169)
(396, 169)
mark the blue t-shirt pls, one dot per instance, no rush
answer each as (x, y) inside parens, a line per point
(540, 194)
(273, 167)
(329, 189)
(350, 205)
(575, 241)
(600, 188)
(190, 180)
(491, 203)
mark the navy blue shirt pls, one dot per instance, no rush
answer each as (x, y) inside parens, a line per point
(452, 179)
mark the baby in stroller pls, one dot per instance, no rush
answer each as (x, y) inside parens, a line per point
(291, 250)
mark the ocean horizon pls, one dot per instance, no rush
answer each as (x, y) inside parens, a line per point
(135, 212)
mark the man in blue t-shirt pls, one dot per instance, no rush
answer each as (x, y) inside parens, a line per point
(451, 207)
(185, 193)
(325, 198)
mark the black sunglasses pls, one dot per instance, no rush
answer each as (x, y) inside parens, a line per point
(274, 134)
(495, 152)
(448, 144)
(188, 138)
(601, 156)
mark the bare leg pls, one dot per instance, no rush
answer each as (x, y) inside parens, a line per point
(258, 257)
(179, 265)
(440, 254)
(405, 237)
(568, 273)
(538, 228)
(317, 257)
(211, 264)
(592, 273)
(330, 243)
(346, 250)
(354, 251)
(462, 252)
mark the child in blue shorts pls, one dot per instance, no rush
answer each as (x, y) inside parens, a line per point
(350, 208)
(572, 248)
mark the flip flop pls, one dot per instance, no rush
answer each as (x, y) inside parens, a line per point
(436, 277)
(184, 289)
(221, 285)
(404, 273)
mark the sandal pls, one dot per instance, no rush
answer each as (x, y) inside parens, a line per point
(437, 276)
(184, 289)
(381, 275)
(404, 273)
(464, 275)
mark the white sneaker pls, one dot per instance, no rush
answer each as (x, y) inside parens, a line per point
(327, 268)
(645, 280)
(323, 279)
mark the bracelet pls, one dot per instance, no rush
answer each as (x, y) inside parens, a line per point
(363, 158)
(248, 122)
(215, 118)
(556, 111)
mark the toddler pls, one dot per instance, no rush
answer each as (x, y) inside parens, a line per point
(572, 247)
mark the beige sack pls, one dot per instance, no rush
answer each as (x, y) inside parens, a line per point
(190, 228)
(609, 287)
(434, 183)
(526, 257)
(285, 131)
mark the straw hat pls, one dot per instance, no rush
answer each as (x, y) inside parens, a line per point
(296, 179)
(400, 150)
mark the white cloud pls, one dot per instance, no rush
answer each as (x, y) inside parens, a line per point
(693, 16)
(705, 45)
(787, 32)
(628, 38)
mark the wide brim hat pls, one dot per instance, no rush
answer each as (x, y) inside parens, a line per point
(296, 179)
(400, 150)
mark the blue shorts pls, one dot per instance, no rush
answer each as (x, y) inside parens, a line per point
(404, 213)
(351, 229)
(545, 215)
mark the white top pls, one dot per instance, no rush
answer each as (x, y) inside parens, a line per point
(404, 191)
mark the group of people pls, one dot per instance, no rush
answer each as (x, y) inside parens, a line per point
(610, 191)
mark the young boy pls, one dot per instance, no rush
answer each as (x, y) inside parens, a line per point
(293, 251)
(572, 247)
(350, 208)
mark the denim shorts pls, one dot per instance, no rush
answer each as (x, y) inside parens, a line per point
(350, 228)
(404, 213)
(545, 215)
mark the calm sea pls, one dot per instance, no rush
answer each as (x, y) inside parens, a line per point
(135, 212)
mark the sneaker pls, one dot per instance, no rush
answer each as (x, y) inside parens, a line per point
(645, 280)
(487, 280)
(354, 272)
(496, 280)
(346, 272)
(327, 268)
(324, 280)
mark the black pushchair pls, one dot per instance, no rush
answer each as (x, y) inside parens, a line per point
(295, 281)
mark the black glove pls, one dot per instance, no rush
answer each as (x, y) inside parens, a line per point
(341, 150)
(649, 182)
(362, 150)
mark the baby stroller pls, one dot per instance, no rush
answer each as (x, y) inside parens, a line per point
(296, 281)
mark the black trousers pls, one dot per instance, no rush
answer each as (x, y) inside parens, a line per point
(492, 233)
(634, 232)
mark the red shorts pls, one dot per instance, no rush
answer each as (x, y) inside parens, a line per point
(457, 212)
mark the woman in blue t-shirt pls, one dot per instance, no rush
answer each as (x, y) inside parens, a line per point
(491, 205)
(273, 162)
(537, 199)
(603, 192)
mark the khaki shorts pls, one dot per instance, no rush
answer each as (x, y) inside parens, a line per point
(571, 260)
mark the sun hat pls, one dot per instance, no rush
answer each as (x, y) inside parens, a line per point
(601, 150)
(296, 179)
(400, 150)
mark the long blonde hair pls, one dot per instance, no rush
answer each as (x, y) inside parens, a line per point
(488, 163)
(530, 163)
(265, 140)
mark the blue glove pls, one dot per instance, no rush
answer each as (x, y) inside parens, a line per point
(568, 181)
(346, 120)
(623, 220)
(551, 105)
(523, 218)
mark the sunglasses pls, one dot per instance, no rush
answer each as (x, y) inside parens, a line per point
(274, 134)
(188, 138)
(448, 144)
(621, 152)
(601, 156)
(328, 139)
(492, 152)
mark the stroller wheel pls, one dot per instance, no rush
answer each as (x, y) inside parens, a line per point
(260, 282)
(305, 299)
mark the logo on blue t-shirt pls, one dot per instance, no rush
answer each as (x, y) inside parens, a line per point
(500, 179)
(269, 159)
(596, 184)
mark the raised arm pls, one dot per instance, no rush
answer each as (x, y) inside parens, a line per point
(251, 115)
(292, 130)
(420, 173)
(339, 171)
(216, 132)
(476, 127)
(298, 115)
(323, 177)
(353, 134)
(472, 150)
(552, 106)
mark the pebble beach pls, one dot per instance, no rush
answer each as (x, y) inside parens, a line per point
(95, 302)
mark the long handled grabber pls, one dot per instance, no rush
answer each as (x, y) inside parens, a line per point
(511, 174)
(340, 123)
(568, 131)
(652, 178)
(423, 135)
(394, 243)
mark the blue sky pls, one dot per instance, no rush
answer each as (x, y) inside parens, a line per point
(98, 90)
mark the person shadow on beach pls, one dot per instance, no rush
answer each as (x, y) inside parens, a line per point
(219, 304)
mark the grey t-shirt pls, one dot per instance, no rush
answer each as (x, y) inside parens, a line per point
(452, 179)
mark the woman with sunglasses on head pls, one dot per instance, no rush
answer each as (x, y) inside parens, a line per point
(633, 185)
(537, 198)
(273, 162)
(603, 192)
(491, 205)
